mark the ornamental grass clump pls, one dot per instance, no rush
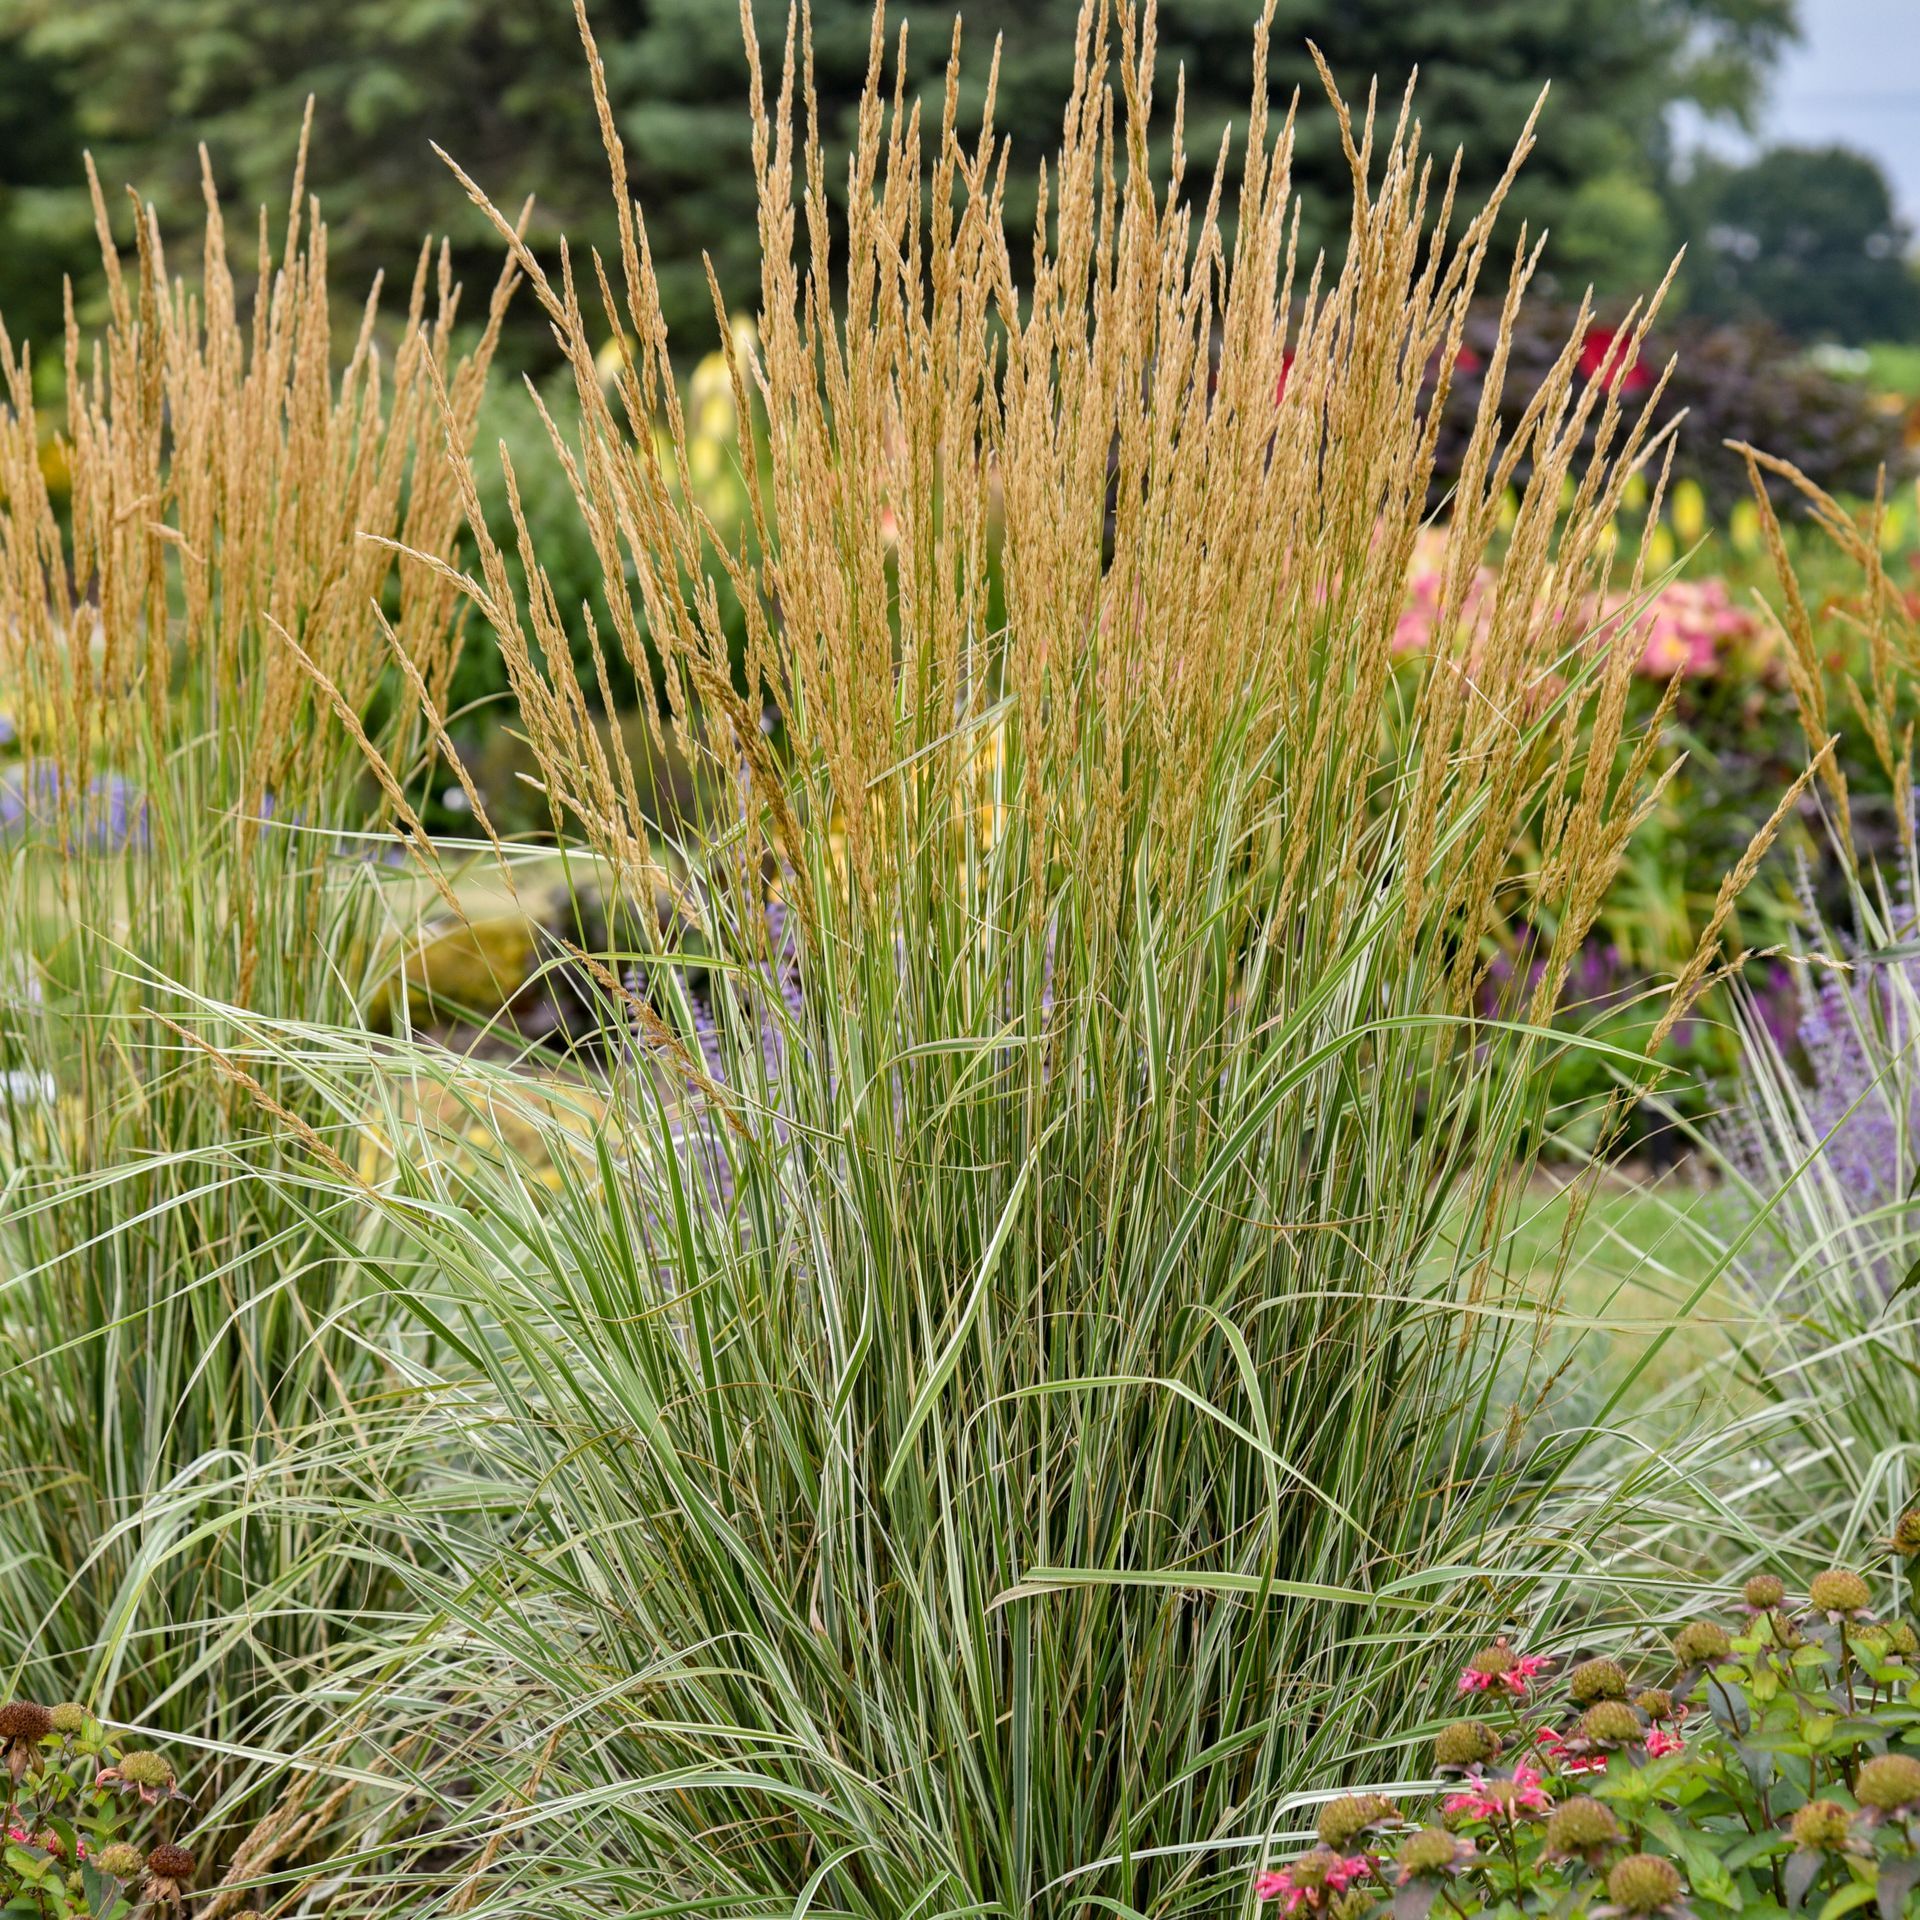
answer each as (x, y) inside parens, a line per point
(1781, 1769)
(197, 643)
(1005, 1384)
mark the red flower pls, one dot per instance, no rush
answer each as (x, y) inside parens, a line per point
(1270, 1886)
(1660, 1741)
(1602, 354)
(1279, 394)
(1466, 360)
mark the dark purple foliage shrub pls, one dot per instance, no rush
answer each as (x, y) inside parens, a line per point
(1733, 382)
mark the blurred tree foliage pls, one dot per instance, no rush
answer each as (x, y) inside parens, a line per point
(42, 206)
(501, 88)
(1806, 239)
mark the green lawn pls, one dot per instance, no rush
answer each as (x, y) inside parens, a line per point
(1636, 1265)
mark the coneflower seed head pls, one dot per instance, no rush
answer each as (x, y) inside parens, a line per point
(1888, 1782)
(1643, 1883)
(1839, 1590)
(1822, 1826)
(1581, 1824)
(1595, 1680)
(1700, 1642)
(170, 1862)
(24, 1720)
(1342, 1821)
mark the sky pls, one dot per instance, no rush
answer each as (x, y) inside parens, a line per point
(1854, 80)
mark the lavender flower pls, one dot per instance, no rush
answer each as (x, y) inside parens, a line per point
(1831, 1078)
(751, 997)
(110, 816)
(744, 998)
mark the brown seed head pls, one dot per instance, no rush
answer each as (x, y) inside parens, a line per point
(24, 1721)
(170, 1862)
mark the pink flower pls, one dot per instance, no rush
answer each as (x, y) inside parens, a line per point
(1484, 1799)
(1515, 1679)
(1660, 1741)
(1310, 1878)
(1684, 628)
(1569, 1763)
(1342, 1875)
(1555, 1750)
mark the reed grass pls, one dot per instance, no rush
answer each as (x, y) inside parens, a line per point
(1016, 1379)
(188, 823)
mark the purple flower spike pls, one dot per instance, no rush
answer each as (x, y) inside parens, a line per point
(111, 815)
